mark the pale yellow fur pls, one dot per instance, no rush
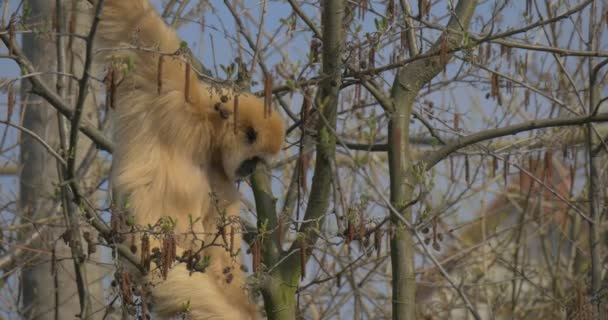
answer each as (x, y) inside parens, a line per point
(178, 157)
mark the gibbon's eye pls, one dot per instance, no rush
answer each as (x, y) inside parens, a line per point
(251, 135)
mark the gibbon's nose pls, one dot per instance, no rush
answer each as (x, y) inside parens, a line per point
(247, 167)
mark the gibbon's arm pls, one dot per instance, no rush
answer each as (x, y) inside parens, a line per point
(133, 36)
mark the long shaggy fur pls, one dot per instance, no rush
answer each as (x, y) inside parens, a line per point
(179, 156)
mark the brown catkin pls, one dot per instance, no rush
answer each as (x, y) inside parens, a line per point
(267, 94)
(371, 59)
(231, 245)
(11, 35)
(362, 230)
(125, 287)
(467, 169)
(548, 164)
(350, 233)
(145, 251)
(505, 171)
(187, 83)
(10, 103)
(167, 254)
(236, 112)
(159, 74)
(111, 89)
(443, 51)
(494, 81)
(378, 241)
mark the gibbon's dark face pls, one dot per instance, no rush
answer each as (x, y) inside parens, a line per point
(256, 138)
(247, 167)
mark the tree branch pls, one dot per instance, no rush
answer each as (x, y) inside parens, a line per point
(436, 156)
(41, 88)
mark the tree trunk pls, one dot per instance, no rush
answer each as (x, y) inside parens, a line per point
(48, 286)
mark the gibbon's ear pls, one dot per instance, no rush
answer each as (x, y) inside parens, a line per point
(134, 38)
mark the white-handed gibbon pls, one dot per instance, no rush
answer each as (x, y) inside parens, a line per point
(180, 145)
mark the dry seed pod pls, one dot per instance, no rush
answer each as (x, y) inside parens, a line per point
(187, 83)
(350, 233)
(231, 245)
(236, 112)
(167, 254)
(467, 169)
(522, 176)
(11, 35)
(572, 176)
(390, 10)
(159, 74)
(494, 81)
(443, 51)
(10, 103)
(362, 230)
(363, 8)
(371, 59)
(424, 8)
(145, 251)
(548, 164)
(144, 305)
(378, 241)
(125, 287)
(267, 94)
(488, 52)
(255, 253)
(505, 171)
(110, 82)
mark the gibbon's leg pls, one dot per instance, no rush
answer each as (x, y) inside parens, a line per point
(226, 259)
(197, 294)
(217, 293)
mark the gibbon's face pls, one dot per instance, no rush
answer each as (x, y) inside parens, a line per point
(256, 138)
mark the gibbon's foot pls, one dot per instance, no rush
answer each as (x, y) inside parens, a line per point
(224, 112)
